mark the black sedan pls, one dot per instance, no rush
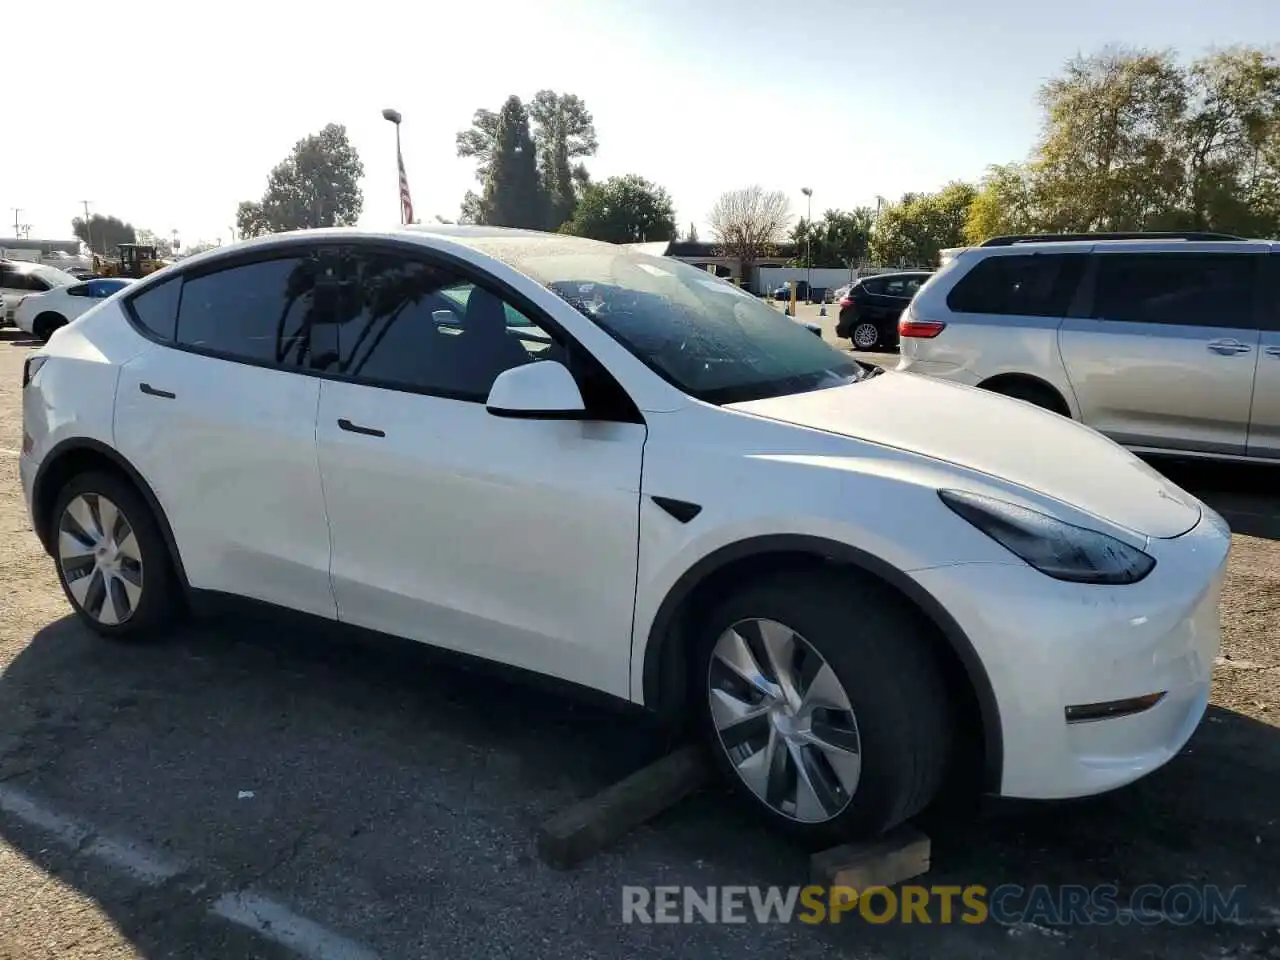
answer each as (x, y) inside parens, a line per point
(869, 311)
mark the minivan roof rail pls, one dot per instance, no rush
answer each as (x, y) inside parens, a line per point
(1011, 239)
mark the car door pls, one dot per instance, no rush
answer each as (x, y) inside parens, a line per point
(219, 415)
(1164, 355)
(510, 539)
(1264, 420)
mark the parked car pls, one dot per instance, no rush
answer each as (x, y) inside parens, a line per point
(850, 580)
(40, 314)
(1167, 344)
(18, 278)
(869, 310)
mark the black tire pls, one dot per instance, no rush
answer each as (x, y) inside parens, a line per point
(44, 325)
(878, 646)
(161, 598)
(1030, 392)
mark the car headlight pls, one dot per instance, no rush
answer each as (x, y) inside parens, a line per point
(1054, 547)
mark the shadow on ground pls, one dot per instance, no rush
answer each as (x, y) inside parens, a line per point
(395, 800)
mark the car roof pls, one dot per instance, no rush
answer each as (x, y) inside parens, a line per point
(896, 273)
(1133, 245)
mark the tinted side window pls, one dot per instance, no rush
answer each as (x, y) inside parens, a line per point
(156, 308)
(257, 311)
(79, 290)
(896, 288)
(417, 326)
(1032, 285)
(1271, 294)
(873, 286)
(1208, 289)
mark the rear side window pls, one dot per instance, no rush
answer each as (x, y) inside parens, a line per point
(1201, 290)
(1030, 285)
(873, 286)
(156, 308)
(256, 311)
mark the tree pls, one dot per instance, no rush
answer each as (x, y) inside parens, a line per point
(747, 223)
(563, 131)
(512, 192)
(1005, 204)
(1107, 160)
(472, 210)
(626, 209)
(478, 140)
(103, 234)
(911, 233)
(692, 235)
(1134, 140)
(251, 220)
(317, 185)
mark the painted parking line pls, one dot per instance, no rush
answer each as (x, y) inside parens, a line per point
(274, 921)
(264, 916)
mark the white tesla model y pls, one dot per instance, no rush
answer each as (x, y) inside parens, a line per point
(607, 467)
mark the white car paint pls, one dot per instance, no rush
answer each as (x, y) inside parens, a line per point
(64, 303)
(536, 542)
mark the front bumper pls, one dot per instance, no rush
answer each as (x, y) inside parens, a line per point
(1047, 645)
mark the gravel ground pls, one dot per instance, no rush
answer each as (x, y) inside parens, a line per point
(376, 802)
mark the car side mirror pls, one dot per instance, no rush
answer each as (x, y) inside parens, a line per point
(543, 390)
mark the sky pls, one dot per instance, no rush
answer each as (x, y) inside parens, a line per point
(169, 117)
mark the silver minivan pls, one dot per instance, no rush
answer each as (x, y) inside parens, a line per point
(1167, 343)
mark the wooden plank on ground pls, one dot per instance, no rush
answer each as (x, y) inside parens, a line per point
(591, 825)
(897, 856)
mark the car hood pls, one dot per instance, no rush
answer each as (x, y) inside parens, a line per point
(1007, 439)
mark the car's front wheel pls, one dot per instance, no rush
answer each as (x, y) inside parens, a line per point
(112, 560)
(822, 703)
(865, 336)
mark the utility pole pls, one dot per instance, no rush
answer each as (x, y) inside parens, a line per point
(88, 226)
(17, 231)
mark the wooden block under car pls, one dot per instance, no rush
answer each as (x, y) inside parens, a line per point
(899, 855)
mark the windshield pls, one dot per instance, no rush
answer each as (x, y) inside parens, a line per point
(705, 336)
(54, 277)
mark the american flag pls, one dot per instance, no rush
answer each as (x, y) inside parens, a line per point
(406, 204)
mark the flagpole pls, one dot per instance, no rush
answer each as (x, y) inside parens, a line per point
(394, 117)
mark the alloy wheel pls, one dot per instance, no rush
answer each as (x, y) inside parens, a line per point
(99, 558)
(865, 336)
(784, 720)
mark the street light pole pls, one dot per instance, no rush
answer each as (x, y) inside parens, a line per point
(808, 245)
(393, 116)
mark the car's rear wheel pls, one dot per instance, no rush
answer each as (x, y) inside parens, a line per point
(865, 336)
(111, 558)
(1033, 393)
(822, 703)
(44, 325)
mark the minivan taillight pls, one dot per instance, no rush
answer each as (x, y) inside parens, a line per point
(909, 326)
(846, 302)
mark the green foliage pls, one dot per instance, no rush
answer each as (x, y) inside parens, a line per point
(840, 239)
(562, 130)
(317, 185)
(692, 235)
(626, 209)
(1133, 140)
(911, 233)
(513, 195)
(103, 234)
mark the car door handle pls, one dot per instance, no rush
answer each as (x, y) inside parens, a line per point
(1273, 351)
(1228, 347)
(151, 391)
(350, 427)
